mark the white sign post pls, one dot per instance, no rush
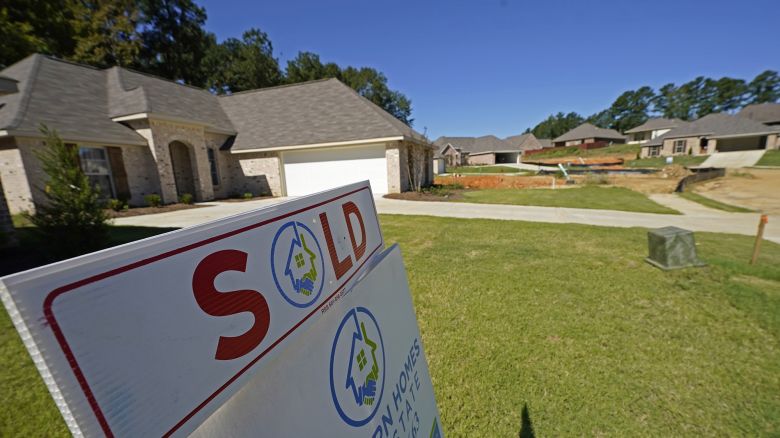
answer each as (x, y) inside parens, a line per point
(151, 338)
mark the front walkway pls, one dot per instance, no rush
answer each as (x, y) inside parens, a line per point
(695, 217)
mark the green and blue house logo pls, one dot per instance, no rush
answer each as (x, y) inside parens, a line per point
(357, 367)
(297, 264)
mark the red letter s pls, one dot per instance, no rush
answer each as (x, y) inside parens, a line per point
(217, 303)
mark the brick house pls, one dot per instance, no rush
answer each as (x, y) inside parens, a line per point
(139, 134)
(488, 149)
(652, 129)
(718, 132)
(588, 134)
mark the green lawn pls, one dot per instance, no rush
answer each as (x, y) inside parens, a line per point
(565, 322)
(602, 198)
(770, 158)
(569, 321)
(482, 169)
(618, 149)
(711, 203)
(682, 160)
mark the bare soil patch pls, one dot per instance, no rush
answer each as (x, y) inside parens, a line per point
(499, 181)
(756, 189)
(451, 195)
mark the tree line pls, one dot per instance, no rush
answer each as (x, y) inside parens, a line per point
(167, 38)
(689, 101)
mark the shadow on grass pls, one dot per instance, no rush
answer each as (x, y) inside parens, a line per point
(526, 426)
(29, 253)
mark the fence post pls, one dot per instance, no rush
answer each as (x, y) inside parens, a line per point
(757, 246)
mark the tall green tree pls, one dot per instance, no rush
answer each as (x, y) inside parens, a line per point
(630, 109)
(174, 40)
(106, 32)
(764, 88)
(238, 65)
(556, 125)
(306, 66)
(35, 26)
(372, 85)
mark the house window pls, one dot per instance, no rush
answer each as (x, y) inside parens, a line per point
(94, 164)
(654, 151)
(679, 146)
(213, 167)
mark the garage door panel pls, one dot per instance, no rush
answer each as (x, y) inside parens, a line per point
(314, 170)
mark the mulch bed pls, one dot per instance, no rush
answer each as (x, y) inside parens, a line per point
(451, 195)
(138, 211)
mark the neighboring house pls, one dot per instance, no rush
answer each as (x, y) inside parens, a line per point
(766, 113)
(652, 128)
(527, 142)
(589, 134)
(488, 149)
(7, 86)
(138, 134)
(439, 165)
(719, 132)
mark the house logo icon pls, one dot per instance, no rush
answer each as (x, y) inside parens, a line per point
(297, 264)
(357, 367)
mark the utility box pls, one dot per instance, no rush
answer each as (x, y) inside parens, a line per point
(672, 248)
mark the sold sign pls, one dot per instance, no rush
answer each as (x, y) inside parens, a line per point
(152, 337)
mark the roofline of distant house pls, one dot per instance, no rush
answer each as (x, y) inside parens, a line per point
(165, 118)
(508, 151)
(77, 139)
(321, 145)
(636, 130)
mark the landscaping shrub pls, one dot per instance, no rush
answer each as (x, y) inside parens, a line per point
(153, 200)
(72, 221)
(116, 204)
(248, 195)
(186, 198)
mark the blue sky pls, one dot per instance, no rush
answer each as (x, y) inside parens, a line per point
(500, 66)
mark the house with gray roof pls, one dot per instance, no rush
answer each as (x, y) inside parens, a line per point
(766, 113)
(139, 134)
(528, 142)
(718, 132)
(589, 134)
(651, 129)
(488, 149)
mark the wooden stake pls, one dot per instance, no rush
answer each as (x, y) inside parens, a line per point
(760, 236)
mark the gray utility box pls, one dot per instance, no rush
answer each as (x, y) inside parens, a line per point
(672, 248)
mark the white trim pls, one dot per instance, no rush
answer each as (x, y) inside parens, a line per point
(366, 141)
(4, 133)
(164, 118)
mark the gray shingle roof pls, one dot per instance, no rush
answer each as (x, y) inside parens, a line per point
(524, 142)
(656, 123)
(7, 85)
(716, 125)
(132, 93)
(586, 130)
(762, 112)
(313, 112)
(67, 97)
(545, 142)
(476, 145)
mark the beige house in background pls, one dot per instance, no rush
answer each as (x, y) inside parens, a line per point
(485, 150)
(139, 134)
(719, 132)
(651, 129)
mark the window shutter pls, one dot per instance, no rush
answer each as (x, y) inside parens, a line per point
(117, 164)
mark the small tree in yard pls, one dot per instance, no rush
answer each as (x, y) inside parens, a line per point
(416, 165)
(72, 221)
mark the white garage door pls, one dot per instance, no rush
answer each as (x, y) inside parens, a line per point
(314, 170)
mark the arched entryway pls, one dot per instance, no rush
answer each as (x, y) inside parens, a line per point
(181, 161)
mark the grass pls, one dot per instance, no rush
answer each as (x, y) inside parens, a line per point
(593, 197)
(562, 328)
(657, 162)
(711, 203)
(483, 169)
(569, 322)
(770, 158)
(617, 149)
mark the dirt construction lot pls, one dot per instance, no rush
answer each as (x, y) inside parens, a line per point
(757, 189)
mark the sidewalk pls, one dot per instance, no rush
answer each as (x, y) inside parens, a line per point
(695, 217)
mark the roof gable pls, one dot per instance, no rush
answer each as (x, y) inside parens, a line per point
(316, 112)
(762, 112)
(586, 130)
(656, 123)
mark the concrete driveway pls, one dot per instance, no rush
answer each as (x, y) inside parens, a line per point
(696, 217)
